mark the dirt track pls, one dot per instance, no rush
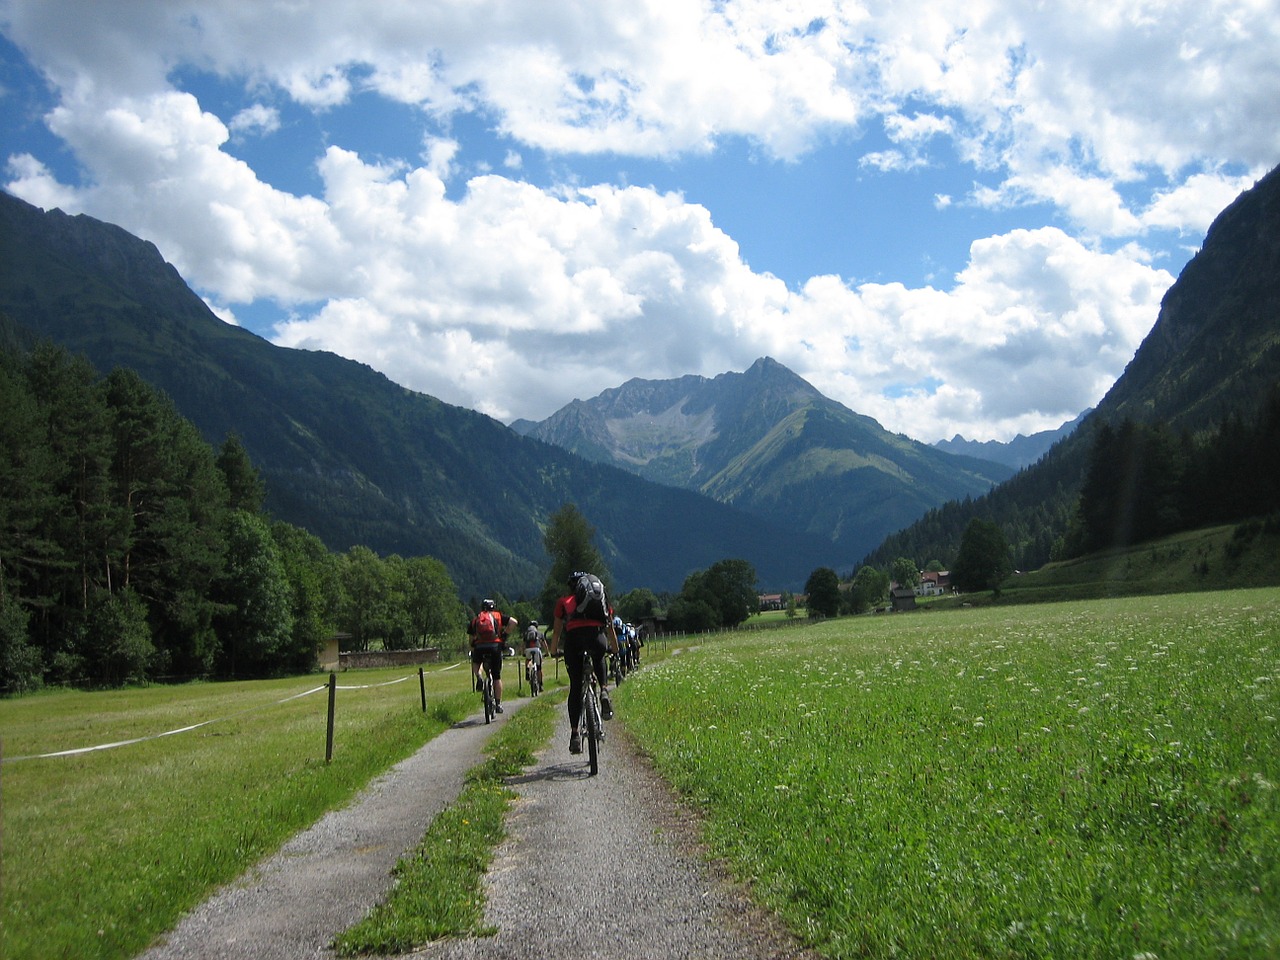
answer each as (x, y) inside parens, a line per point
(646, 890)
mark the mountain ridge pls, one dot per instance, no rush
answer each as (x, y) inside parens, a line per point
(1022, 451)
(770, 442)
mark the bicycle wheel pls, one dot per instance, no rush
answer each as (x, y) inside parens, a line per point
(488, 700)
(591, 718)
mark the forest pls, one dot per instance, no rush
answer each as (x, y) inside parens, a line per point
(1136, 482)
(131, 550)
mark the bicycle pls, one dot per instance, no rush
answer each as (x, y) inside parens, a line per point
(592, 718)
(486, 693)
(533, 673)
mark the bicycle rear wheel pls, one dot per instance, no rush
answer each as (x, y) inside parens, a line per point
(488, 700)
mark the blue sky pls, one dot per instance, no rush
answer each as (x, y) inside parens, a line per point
(956, 217)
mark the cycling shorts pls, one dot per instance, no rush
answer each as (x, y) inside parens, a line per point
(490, 654)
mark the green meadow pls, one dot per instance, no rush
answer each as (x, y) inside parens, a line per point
(1076, 780)
(102, 851)
(1071, 780)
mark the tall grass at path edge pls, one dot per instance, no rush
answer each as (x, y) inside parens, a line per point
(1092, 779)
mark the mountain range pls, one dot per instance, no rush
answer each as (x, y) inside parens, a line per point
(346, 453)
(768, 442)
(1021, 451)
(758, 466)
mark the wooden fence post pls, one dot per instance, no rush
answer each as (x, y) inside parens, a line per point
(333, 692)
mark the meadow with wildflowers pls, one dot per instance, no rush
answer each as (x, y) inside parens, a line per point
(1093, 779)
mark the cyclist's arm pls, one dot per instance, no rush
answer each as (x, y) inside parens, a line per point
(612, 635)
(557, 630)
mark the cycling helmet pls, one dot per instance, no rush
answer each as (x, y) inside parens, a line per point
(486, 605)
(533, 623)
(573, 578)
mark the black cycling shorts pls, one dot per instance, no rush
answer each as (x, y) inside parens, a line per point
(490, 654)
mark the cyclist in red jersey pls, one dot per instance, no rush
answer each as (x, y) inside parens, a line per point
(579, 634)
(489, 631)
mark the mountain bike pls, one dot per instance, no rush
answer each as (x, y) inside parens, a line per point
(592, 719)
(533, 673)
(486, 693)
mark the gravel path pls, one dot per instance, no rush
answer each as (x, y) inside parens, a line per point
(646, 892)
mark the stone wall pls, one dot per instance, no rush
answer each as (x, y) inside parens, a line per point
(388, 658)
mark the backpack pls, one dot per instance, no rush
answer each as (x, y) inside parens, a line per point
(487, 626)
(589, 603)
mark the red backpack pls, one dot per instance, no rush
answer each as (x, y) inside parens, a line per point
(487, 626)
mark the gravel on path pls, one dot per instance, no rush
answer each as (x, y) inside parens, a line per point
(610, 867)
(604, 867)
(329, 876)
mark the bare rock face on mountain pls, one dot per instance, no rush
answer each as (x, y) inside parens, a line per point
(770, 443)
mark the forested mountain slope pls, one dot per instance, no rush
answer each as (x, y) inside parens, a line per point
(1212, 355)
(346, 453)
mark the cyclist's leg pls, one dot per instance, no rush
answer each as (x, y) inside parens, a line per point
(599, 649)
(599, 657)
(476, 660)
(573, 646)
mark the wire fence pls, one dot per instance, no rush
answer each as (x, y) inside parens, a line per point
(332, 686)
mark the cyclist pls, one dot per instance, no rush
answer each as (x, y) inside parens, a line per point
(582, 632)
(534, 646)
(488, 632)
(628, 640)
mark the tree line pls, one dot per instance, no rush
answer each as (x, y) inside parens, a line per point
(1144, 481)
(131, 550)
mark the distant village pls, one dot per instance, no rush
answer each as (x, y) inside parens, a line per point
(933, 583)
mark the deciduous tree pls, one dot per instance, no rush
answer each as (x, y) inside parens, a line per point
(823, 588)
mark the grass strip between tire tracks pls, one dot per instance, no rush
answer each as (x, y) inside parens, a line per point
(439, 886)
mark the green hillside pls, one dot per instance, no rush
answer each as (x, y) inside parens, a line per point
(1211, 359)
(346, 453)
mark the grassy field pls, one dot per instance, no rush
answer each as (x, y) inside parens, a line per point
(1215, 558)
(103, 850)
(1074, 780)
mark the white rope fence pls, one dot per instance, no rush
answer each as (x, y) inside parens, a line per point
(331, 686)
